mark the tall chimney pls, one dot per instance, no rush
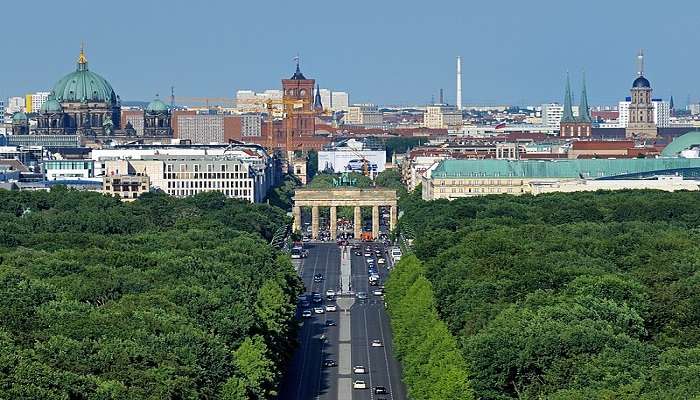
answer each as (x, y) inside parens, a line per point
(459, 83)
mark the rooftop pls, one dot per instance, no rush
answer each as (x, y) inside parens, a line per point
(568, 168)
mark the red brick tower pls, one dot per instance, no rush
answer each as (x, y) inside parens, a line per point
(298, 99)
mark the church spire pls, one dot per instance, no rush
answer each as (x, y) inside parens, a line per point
(583, 109)
(568, 113)
(318, 106)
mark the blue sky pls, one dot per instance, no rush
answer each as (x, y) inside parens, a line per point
(388, 52)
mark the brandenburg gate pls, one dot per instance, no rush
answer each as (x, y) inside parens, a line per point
(344, 197)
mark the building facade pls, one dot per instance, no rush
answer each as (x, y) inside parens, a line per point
(441, 116)
(340, 101)
(126, 187)
(201, 128)
(451, 179)
(298, 98)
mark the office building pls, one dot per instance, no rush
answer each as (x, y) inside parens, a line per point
(363, 114)
(441, 116)
(15, 105)
(662, 113)
(34, 101)
(126, 187)
(68, 169)
(201, 128)
(326, 99)
(340, 101)
(251, 125)
(133, 118)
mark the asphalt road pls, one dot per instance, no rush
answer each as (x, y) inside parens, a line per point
(306, 378)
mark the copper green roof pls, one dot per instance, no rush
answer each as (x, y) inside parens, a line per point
(51, 106)
(19, 117)
(683, 142)
(568, 114)
(84, 85)
(574, 168)
(156, 106)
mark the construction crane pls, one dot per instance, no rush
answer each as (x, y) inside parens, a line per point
(208, 101)
(290, 107)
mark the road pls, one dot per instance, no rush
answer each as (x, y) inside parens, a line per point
(306, 378)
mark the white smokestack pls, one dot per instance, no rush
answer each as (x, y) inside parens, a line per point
(459, 83)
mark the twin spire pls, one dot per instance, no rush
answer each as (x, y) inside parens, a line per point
(583, 109)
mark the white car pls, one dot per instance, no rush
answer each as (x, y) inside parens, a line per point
(330, 292)
(366, 254)
(378, 292)
(318, 310)
(377, 343)
(359, 369)
(306, 314)
(359, 385)
(331, 307)
(381, 261)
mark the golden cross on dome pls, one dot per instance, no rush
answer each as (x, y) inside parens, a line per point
(81, 58)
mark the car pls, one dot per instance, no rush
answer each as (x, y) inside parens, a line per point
(358, 253)
(316, 298)
(378, 292)
(330, 298)
(381, 261)
(331, 307)
(305, 303)
(377, 343)
(359, 369)
(380, 390)
(306, 314)
(318, 310)
(318, 277)
(306, 239)
(330, 322)
(361, 295)
(367, 254)
(377, 253)
(359, 385)
(330, 292)
(332, 363)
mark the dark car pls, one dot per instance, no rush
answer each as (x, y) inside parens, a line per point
(331, 363)
(318, 278)
(330, 322)
(358, 253)
(380, 390)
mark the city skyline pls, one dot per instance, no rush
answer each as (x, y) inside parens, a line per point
(385, 57)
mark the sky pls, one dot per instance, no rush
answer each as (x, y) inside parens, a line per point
(380, 51)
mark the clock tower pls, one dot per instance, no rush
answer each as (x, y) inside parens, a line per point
(298, 99)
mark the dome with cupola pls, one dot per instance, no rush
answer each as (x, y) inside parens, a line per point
(156, 106)
(84, 86)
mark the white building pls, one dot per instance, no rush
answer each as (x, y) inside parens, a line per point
(251, 125)
(15, 104)
(442, 116)
(2, 111)
(38, 100)
(340, 101)
(242, 172)
(662, 113)
(694, 108)
(68, 169)
(552, 113)
(326, 99)
(623, 109)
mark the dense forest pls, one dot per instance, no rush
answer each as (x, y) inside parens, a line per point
(559, 296)
(161, 298)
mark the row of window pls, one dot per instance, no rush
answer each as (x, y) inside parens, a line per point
(209, 184)
(477, 182)
(241, 194)
(483, 190)
(206, 175)
(198, 168)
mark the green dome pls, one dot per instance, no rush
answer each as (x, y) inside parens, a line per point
(156, 106)
(84, 85)
(51, 106)
(19, 117)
